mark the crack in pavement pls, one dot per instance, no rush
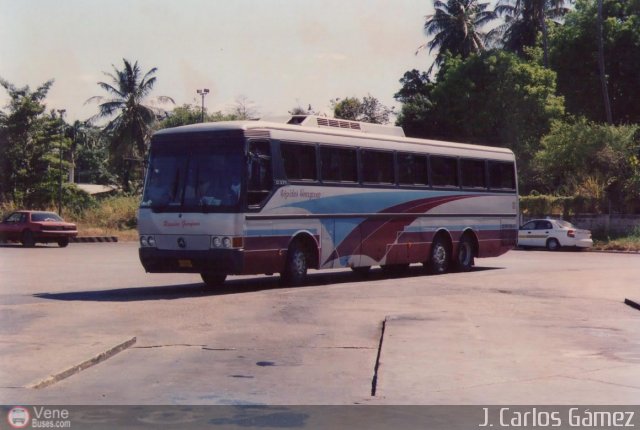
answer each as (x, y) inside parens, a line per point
(183, 345)
(374, 380)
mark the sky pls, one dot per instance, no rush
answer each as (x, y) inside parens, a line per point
(278, 54)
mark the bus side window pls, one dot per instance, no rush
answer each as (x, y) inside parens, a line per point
(412, 169)
(338, 164)
(259, 178)
(444, 171)
(473, 173)
(502, 175)
(299, 161)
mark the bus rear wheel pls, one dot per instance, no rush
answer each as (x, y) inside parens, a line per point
(440, 258)
(213, 280)
(295, 271)
(466, 254)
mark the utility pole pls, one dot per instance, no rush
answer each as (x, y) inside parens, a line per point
(202, 93)
(61, 112)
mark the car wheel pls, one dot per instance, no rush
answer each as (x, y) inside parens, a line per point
(295, 271)
(63, 243)
(553, 244)
(28, 240)
(213, 280)
(440, 257)
(466, 257)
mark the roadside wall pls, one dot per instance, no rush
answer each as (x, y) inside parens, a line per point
(615, 224)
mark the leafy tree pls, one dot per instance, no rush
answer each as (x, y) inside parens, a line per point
(415, 96)
(244, 109)
(29, 143)
(592, 160)
(131, 128)
(191, 114)
(493, 98)
(92, 157)
(414, 84)
(455, 28)
(574, 56)
(369, 109)
(299, 110)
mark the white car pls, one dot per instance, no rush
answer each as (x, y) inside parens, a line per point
(553, 234)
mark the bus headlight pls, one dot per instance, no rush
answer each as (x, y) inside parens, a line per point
(226, 242)
(147, 241)
(216, 242)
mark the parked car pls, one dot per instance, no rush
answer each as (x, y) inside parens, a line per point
(30, 227)
(553, 234)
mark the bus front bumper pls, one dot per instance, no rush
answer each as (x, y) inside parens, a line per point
(228, 261)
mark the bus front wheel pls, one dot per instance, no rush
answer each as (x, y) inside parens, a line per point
(295, 271)
(212, 280)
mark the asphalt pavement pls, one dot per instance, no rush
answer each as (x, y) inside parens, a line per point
(86, 325)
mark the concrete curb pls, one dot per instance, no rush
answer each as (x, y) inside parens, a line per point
(93, 239)
(57, 377)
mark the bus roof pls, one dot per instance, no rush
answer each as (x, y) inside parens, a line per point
(329, 127)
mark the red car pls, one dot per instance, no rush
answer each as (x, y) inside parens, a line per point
(30, 227)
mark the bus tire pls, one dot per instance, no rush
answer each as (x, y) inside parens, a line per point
(466, 254)
(440, 258)
(212, 280)
(295, 270)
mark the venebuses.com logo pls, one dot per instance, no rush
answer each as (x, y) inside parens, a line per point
(18, 417)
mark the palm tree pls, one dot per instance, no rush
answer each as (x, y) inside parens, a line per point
(524, 19)
(603, 75)
(455, 28)
(130, 130)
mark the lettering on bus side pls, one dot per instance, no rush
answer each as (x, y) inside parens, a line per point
(294, 193)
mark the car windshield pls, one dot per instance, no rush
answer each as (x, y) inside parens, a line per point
(194, 176)
(45, 216)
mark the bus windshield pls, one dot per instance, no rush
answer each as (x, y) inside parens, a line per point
(194, 177)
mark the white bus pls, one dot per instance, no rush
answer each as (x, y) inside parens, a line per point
(308, 192)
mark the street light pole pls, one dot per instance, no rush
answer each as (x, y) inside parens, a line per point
(61, 112)
(202, 93)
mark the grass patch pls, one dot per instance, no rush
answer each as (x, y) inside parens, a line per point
(114, 216)
(629, 243)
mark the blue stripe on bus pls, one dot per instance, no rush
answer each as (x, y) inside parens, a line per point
(424, 229)
(372, 202)
(278, 232)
